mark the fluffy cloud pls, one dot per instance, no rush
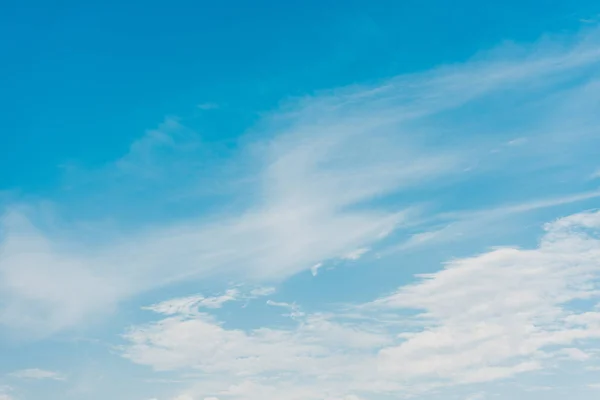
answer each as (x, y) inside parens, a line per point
(500, 313)
(483, 318)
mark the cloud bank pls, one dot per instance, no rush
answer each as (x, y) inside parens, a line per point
(492, 316)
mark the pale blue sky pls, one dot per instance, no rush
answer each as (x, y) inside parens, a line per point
(299, 201)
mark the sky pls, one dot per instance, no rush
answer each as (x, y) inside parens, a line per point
(357, 200)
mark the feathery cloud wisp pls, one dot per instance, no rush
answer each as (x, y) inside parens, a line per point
(321, 171)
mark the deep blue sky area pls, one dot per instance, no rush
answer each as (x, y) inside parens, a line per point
(81, 80)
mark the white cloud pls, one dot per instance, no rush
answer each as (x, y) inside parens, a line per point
(190, 305)
(311, 182)
(576, 354)
(495, 315)
(477, 396)
(356, 254)
(488, 317)
(594, 385)
(236, 351)
(4, 393)
(183, 397)
(315, 268)
(36, 373)
(458, 226)
(47, 288)
(262, 291)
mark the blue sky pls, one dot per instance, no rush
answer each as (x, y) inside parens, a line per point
(299, 200)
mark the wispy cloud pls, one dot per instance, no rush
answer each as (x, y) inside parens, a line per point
(191, 304)
(356, 254)
(314, 270)
(477, 396)
(319, 172)
(37, 374)
(460, 226)
(208, 106)
(594, 386)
